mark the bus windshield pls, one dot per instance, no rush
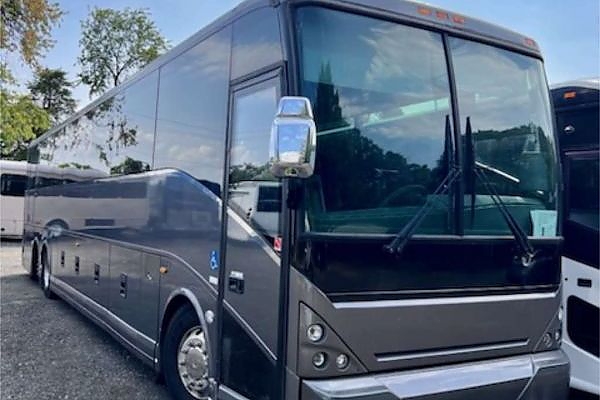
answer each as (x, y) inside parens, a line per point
(381, 97)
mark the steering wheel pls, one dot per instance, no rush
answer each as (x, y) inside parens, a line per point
(409, 195)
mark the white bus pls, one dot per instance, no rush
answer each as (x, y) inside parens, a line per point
(576, 104)
(13, 182)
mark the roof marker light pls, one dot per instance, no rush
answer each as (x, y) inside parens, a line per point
(424, 11)
(570, 95)
(459, 19)
(530, 42)
(441, 15)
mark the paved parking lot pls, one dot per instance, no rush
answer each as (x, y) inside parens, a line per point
(50, 351)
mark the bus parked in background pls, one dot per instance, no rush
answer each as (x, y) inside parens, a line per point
(326, 200)
(577, 105)
(13, 182)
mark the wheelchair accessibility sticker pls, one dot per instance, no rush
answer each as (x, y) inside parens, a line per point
(214, 260)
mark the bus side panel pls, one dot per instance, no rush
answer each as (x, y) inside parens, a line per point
(11, 212)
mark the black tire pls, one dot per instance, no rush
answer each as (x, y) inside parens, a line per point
(183, 320)
(34, 267)
(44, 281)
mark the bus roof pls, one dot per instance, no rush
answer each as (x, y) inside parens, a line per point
(588, 83)
(437, 18)
(13, 166)
(404, 10)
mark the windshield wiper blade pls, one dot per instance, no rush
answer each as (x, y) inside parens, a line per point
(528, 252)
(402, 238)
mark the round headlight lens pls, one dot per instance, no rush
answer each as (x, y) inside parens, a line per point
(315, 332)
(319, 360)
(341, 361)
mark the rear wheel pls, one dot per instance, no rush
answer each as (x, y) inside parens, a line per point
(185, 361)
(33, 268)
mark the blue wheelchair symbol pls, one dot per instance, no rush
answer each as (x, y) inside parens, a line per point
(214, 260)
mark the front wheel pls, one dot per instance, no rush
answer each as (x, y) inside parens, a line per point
(185, 361)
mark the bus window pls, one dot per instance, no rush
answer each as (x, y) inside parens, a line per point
(13, 185)
(583, 192)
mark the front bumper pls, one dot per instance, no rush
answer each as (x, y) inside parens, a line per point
(539, 376)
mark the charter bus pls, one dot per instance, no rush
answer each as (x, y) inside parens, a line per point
(13, 182)
(577, 105)
(418, 243)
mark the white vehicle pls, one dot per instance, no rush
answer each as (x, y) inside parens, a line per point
(576, 105)
(13, 183)
(260, 202)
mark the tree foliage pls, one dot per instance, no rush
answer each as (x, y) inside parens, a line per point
(51, 90)
(20, 119)
(26, 25)
(114, 44)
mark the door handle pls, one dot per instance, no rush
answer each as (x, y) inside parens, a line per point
(236, 282)
(584, 282)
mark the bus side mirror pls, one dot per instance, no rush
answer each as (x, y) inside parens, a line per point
(293, 139)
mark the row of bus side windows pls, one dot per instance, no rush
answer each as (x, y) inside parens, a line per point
(177, 120)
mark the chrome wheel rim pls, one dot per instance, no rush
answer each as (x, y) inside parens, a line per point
(192, 363)
(46, 277)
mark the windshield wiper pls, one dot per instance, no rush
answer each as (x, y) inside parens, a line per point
(402, 238)
(528, 253)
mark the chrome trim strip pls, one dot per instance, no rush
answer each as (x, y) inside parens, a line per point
(436, 301)
(426, 382)
(452, 351)
(86, 305)
(228, 394)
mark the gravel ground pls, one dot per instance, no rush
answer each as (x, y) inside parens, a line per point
(50, 351)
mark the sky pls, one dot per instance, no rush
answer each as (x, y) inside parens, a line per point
(568, 32)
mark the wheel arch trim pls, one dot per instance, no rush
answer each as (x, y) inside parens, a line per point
(191, 298)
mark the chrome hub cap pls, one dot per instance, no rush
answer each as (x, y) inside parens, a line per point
(192, 363)
(46, 278)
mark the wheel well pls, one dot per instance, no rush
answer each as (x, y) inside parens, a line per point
(59, 222)
(175, 304)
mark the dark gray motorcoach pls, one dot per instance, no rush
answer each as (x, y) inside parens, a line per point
(415, 249)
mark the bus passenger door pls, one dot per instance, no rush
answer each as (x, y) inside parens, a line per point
(252, 264)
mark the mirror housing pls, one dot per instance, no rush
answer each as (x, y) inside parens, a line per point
(293, 139)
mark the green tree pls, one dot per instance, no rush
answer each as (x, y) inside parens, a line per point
(20, 119)
(25, 27)
(114, 44)
(52, 91)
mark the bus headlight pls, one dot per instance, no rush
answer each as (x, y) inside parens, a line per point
(321, 352)
(319, 359)
(315, 333)
(341, 361)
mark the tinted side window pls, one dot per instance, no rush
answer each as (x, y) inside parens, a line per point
(578, 127)
(581, 228)
(256, 42)
(583, 191)
(253, 111)
(132, 135)
(192, 110)
(13, 185)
